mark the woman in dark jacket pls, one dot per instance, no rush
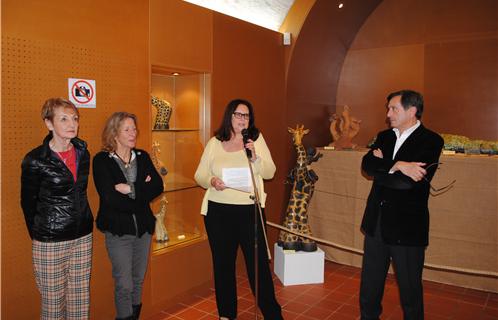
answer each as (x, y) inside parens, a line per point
(127, 182)
(54, 201)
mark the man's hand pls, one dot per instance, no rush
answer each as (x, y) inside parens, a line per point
(378, 153)
(414, 170)
(123, 188)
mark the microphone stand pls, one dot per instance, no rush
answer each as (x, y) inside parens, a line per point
(257, 209)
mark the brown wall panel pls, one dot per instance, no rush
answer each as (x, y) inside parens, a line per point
(249, 64)
(369, 72)
(461, 87)
(449, 53)
(43, 44)
(316, 63)
(167, 270)
(181, 39)
(181, 35)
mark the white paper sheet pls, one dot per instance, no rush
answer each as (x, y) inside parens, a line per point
(237, 178)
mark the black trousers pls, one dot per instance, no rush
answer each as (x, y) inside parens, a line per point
(228, 227)
(408, 262)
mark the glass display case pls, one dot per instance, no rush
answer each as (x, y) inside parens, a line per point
(180, 103)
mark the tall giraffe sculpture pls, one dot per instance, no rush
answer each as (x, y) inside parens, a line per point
(303, 184)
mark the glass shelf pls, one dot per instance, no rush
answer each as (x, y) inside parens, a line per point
(175, 240)
(177, 129)
(175, 182)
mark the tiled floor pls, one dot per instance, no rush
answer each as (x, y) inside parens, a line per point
(337, 299)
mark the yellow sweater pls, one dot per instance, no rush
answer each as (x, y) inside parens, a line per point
(215, 158)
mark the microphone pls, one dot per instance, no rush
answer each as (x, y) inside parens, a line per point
(245, 137)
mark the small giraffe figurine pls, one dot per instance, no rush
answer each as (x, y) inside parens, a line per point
(155, 159)
(160, 230)
(163, 113)
(303, 184)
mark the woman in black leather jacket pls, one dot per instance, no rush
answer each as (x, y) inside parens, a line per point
(54, 201)
(127, 182)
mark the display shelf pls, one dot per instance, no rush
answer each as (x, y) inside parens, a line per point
(178, 149)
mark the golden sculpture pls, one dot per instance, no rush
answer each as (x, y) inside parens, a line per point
(344, 128)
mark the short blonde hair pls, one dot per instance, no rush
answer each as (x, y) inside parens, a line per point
(48, 108)
(111, 129)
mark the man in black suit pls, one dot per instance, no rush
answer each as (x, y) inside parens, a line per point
(402, 161)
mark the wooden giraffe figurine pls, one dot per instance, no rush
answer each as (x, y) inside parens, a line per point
(160, 229)
(156, 161)
(161, 233)
(303, 184)
(163, 113)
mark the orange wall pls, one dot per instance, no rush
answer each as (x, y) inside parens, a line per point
(248, 63)
(446, 49)
(43, 44)
(181, 35)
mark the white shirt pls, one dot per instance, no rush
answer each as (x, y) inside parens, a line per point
(400, 139)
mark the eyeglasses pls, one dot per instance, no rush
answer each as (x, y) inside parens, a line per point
(443, 189)
(240, 115)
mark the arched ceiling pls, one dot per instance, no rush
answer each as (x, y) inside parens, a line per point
(266, 13)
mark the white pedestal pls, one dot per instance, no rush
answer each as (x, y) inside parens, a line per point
(298, 267)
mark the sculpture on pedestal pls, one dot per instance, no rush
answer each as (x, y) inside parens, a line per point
(344, 128)
(303, 184)
(163, 113)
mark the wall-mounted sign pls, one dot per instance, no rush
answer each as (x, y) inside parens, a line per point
(82, 92)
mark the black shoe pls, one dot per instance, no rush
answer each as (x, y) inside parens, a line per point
(136, 311)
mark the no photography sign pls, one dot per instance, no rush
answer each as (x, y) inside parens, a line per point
(82, 92)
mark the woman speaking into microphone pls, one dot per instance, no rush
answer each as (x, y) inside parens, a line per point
(229, 213)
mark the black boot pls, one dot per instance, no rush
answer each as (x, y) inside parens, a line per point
(126, 318)
(136, 311)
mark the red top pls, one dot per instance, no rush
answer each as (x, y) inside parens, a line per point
(69, 159)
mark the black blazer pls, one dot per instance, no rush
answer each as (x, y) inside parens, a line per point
(116, 210)
(399, 202)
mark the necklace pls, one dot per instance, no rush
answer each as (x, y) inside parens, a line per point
(125, 163)
(65, 156)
